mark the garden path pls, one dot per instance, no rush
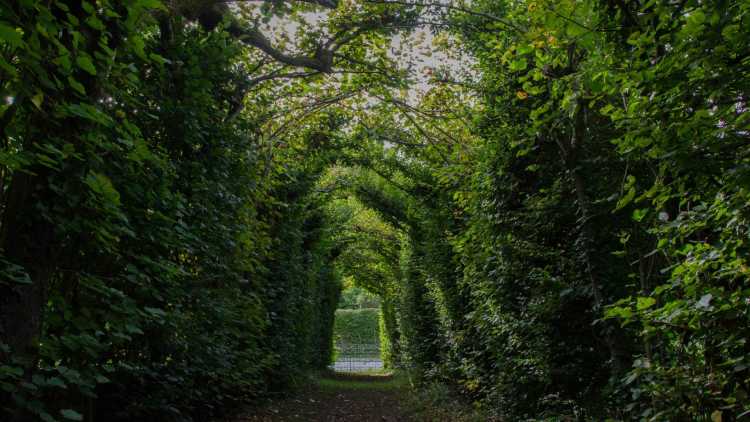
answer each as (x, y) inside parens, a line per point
(339, 397)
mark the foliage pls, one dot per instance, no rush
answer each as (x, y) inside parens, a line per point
(603, 165)
(553, 219)
(151, 265)
(436, 402)
(598, 171)
(357, 298)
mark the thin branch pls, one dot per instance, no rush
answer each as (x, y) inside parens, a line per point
(467, 85)
(317, 106)
(255, 81)
(383, 71)
(426, 135)
(293, 75)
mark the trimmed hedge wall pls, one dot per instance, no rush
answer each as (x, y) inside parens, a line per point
(357, 326)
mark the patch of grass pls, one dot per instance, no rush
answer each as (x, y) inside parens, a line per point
(373, 380)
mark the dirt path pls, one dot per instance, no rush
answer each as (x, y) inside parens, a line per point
(337, 398)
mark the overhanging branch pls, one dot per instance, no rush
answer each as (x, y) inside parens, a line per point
(322, 60)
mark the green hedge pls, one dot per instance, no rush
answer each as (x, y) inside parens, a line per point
(158, 267)
(357, 326)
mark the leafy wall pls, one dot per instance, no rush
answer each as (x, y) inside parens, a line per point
(152, 267)
(357, 326)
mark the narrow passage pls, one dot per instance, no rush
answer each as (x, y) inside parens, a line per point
(340, 397)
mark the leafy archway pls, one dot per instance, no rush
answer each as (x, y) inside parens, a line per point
(551, 202)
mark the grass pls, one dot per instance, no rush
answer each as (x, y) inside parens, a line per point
(431, 402)
(379, 380)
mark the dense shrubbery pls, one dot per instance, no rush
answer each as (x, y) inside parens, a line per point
(357, 298)
(582, 252)
(154, 264)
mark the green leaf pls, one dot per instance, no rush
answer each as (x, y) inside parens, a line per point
(76, 85)
(37, 100)
(89, 112)
(13, 272)
(95, 23)
(731, 33)
(138, 46)
(645, 303)
(85, 63)
(132, 329)
(626, 199)
(71, 414)
(101, 185)
(716, 416)
(155, 311)
(10, 36)
(151, 4)
(11, 370)
(56, 382)
(576, 30)
(46, 417)
(519, 64)
(696, 17)
(620, 312)
(639, 214)
(159, 59)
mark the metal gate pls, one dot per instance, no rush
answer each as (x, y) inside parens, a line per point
(360, 357)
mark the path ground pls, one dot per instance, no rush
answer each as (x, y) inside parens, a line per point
(339, 397)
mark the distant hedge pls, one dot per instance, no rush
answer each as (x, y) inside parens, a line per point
(357, 326)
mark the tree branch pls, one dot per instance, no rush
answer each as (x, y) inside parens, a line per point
(322, 60)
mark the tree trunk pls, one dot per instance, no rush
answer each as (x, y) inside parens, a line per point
(26, 239)
(588, 237)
